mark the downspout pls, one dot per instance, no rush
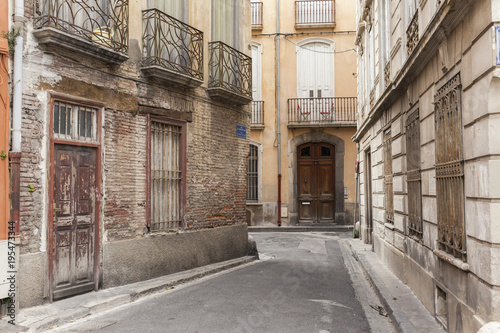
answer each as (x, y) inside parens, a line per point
(278, 106)
(15, 155)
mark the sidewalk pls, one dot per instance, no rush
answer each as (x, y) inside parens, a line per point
(301, 228)
(402, 306)
(40, 318)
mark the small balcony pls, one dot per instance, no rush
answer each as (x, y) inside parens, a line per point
(322, 112)
(96, 28)
(172, 50)
(314, 14)
(257, 121)
(256, 10)
(230, 74)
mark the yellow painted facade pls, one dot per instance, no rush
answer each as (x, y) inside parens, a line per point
(339, 30)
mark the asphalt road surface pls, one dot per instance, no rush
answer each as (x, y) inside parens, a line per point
(301, 284)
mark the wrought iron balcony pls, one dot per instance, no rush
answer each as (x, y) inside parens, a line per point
(256, 15)
(257, 120)
(412, 34)
(322, 112)
(98, 28)
(314, 13)
(173, 50)
(230, 74)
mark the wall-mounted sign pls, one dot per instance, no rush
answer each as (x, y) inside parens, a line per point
(306, 203)
(497, 42)
(241, 131)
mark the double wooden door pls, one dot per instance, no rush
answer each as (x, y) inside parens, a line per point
(74, 220)
(316, 182)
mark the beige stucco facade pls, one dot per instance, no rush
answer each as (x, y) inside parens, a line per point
(435, 60)
(339, 33)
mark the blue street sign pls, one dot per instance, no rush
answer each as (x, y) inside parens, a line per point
(497, 42)
(241, 131)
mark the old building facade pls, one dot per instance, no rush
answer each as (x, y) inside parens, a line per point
(131, 167)
(428, 97)
(301, 165)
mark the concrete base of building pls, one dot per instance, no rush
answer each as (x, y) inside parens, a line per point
(441, 287)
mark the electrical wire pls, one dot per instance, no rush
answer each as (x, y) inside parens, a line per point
(334, 52)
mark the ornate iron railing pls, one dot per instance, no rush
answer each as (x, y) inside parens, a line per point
(314, 12)
(387, 74)
(257, 113)
(230, 69)
(327, 110)
(412, 34)
(172, 44)
(256, 14)
(103, 22)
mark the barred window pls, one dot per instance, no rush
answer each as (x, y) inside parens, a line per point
(74, 121)
(389, 195)
(253, 174)
(450, 168)
(165, 176)
(413, 177)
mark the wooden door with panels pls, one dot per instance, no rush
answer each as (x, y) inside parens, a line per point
(74, 219)
(316, 182)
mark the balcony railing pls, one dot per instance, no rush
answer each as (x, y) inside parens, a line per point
(257, 114)
(230, 74)
(172, 50)
(315, 13)
(336, 111)
(256, 15)
(102, 23)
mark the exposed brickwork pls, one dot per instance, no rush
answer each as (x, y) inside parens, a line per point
(124, 204)
(216, 158)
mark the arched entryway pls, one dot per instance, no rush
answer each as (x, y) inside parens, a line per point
(316, 182)
(316, 140)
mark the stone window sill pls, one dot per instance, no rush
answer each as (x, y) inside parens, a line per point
(452, 260)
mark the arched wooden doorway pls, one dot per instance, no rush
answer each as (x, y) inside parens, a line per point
(316, 182)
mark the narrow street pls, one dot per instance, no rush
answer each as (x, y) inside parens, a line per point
(301, 284)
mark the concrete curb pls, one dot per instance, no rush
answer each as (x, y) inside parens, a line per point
(43, 317)
(402, 306)
(312, 228)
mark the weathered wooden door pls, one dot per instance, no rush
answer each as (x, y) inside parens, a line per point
(73, 220)
(316, 182)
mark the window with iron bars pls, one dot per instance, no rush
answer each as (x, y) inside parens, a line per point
(253, 174)
(74, 122)
(165, 176)
(389, 194)
(413, 175)
(450, 195)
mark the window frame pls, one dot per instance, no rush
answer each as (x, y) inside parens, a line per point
(182, 166)
(414, 174)
(450, 168)
(259, 172)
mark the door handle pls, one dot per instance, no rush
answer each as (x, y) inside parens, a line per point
(305, 179)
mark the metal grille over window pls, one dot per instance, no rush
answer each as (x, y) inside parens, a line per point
(252, 174)
(74, 122)
(413, 177)
(389, 195)
(165, 176)
(450, 168)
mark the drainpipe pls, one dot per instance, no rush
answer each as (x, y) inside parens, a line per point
(278, 105)
(17, 83)
(15, 155)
